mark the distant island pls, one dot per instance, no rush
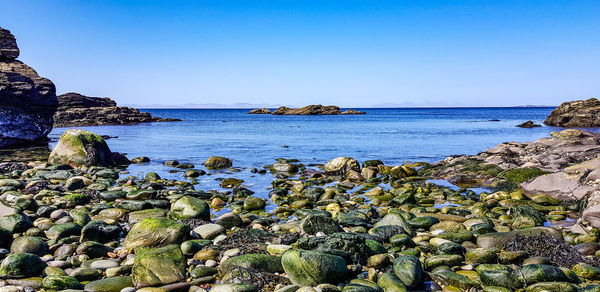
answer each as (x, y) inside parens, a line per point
(309, 110)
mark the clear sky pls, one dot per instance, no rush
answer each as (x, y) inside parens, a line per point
(347, 52)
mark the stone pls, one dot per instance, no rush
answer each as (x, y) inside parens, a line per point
(233, 288)
(534, 273)
(254, 203)
(260, 111)
(341, 165)
(27, 100)
(209, 231)
(21, 265)
(100, 231)
(61, 283)
(156, 231)
(76, 110)
(113, 284)
(217, 162)
(63, 230)
(79, 148)
(229, 220)
(29, 244)
(253, 262)
(190, 207)
(408, 269)
(313, 224)
(310, 268)
(158, 266)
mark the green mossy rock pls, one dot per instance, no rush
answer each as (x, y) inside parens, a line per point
(72, 149)
(63, 230)
(61, 283)
(254, 262)
(391, 283)
(586, 271)
(113, 284)
(154, 232)
(158, 266)
(310, 268)
(535, 273)
(449, 278)
(408, 269)
(21, 265)
(29, 244)
(217, 162)
(552, 287)
(449, 260)
(190, 207)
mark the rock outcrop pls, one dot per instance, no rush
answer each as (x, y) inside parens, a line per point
(308, 110)
(578, 113)
(260, 111)
(27, 101)
(528, 124)
(76, 110)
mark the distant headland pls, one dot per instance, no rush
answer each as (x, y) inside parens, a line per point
(310, 110)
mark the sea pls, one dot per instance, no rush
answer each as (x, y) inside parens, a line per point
(393, 135)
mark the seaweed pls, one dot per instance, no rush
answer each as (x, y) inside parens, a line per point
(555, 250)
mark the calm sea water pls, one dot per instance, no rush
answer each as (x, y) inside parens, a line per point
(252, 141)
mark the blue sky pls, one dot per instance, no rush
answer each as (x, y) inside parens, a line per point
(349, 53)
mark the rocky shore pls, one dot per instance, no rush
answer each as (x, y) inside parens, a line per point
(79, 221)
(75, 110)
(307, 110)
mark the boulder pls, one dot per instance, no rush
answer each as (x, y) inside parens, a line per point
(578, 113)
(76, 110)
(190, 207)
(498, 239)
(156, 231)
(341, 165)
(310, 268)
(79, 148)
(27, 101)
(21, 265)
(158, 266)
(217, 162)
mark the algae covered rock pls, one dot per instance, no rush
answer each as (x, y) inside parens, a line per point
(408, 269)
(79, 148)
(156, 231)
(310, 268)
(190, 207)
(158, 266)
(217, 162)
(113, 284)
(21, 265)
(341, 165)
(254, 262)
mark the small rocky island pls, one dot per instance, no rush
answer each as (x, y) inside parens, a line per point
(311, 110)
(578, 113)
(75, 110)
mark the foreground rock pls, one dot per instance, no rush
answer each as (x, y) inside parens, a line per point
(27, 101)
(76, 110)
(307, 110)
(578, 113)
(79, 148)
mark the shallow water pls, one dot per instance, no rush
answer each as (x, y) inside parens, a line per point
(394, 136)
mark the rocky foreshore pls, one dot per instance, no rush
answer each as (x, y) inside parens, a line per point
(79, 221)
(307, 111)
(75, 110)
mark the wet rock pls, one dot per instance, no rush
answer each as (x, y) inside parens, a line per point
(253, 262)
(309, 268)
(21, 265)
(113, 284)
(154, 231)
(190, 207)
(61, 283)
(158, 266)
(98, 230)
(341, 165)
(535, 273)
(408, 269)
(29, 244)
(217, 162)
(528, 124)
(314, 224)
